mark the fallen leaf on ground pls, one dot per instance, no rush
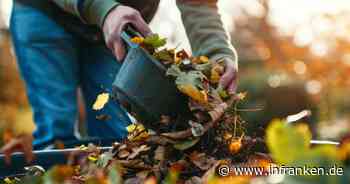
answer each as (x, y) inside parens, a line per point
(183, 145)
(123, 154)
(137, 150)
(194, 180)
(196, 128)
(202, 161)
(137, 132)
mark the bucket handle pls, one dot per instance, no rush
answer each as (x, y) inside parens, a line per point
(128, 33)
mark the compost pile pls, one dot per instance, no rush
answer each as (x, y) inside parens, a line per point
(211, 134)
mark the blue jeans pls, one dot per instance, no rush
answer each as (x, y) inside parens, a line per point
(54, 62)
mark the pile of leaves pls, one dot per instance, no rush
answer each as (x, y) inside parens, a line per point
(213, 136)
(212, 133)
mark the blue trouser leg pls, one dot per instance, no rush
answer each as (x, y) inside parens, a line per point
(47, 57)
(98, 69)
(53, 63)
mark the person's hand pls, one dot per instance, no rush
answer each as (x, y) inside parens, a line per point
(114, 24)
(228, 80)
(21, 143)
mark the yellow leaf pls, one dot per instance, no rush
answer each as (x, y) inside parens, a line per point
(141, 136)
(204, 59)
(8, 181)
(137, 40)
(214, 76)
(101, 101)
(344, 151)
(227, 136)
(83, 148)
(242, 96)
(135, 127)
(177, 60)
(191, 91)
(231, 180)
(200, 60)
(137, 132)
(280, 135)
(92, 158)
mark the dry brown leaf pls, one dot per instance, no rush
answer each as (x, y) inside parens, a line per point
(143, 174)
(151, 180)
(165, 119)
(202, 161)
(212, 171)
(135, 164)
(134, 180)
(159, 153)
(159, 140)
(183, 55)
(123, 153)
(188, 132)
(194, 180)
(137, 150)
(218, 111)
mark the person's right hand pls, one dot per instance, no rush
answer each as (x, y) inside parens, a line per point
(114, 24)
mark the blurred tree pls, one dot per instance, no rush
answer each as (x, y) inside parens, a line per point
(279, 65)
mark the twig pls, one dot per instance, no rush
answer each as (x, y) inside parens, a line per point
(188, 132)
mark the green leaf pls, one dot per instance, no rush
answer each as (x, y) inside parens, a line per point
(287, 143)
(186, 144)
(190, 83)
(193, 78)
(104, 159)
(222, 92)
(155, 41)
(164, 55)
(174, 71)
(9, 181)
(114, 176)
(205, 68)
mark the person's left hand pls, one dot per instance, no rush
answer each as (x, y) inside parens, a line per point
(228, 80)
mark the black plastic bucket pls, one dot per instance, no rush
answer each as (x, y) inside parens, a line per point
(143, 84)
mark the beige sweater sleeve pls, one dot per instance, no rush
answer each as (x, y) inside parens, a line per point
(91, 11)
(205, 29)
